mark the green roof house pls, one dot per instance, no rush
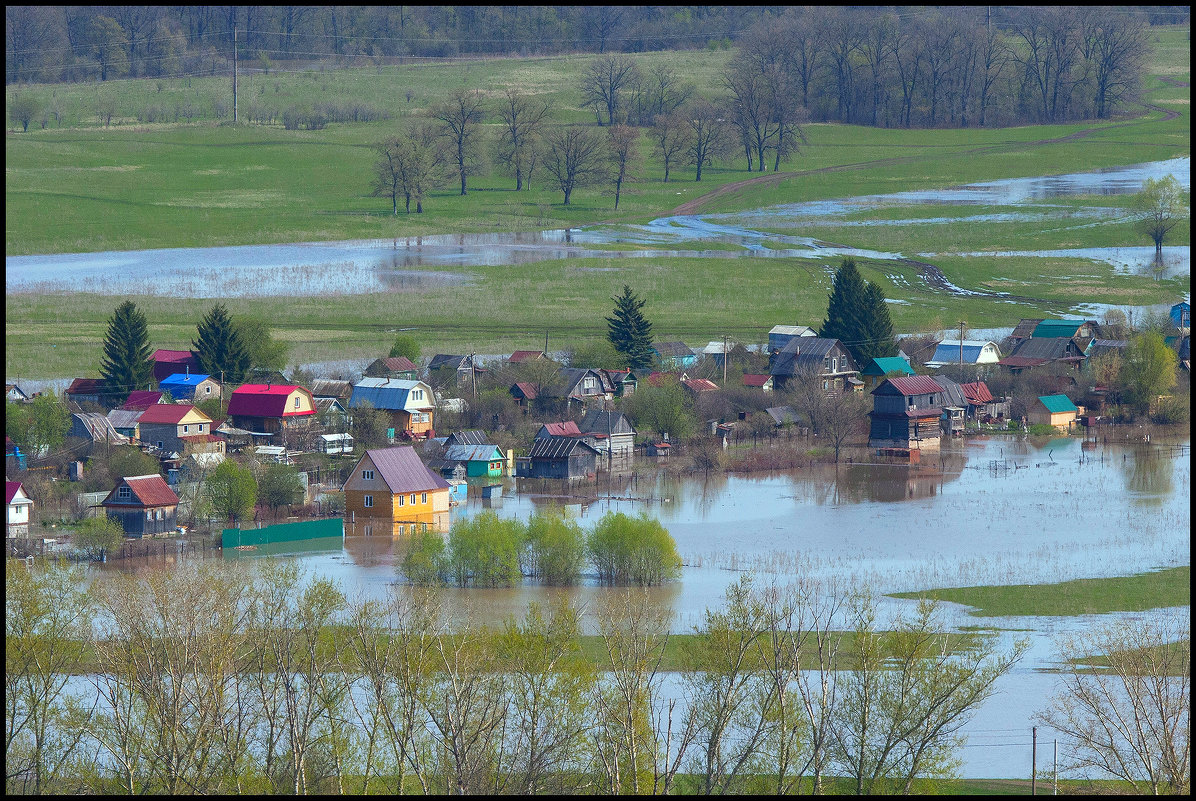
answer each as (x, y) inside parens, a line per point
(1053, 410)
(879, 368)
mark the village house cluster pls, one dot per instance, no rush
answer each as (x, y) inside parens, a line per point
(413, 481)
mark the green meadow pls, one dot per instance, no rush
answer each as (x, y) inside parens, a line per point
(84, 187)
(1160, 589)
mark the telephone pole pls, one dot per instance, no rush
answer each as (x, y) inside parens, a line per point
(724, 360)
(961, 325)
(1034, 761)
(234, 74)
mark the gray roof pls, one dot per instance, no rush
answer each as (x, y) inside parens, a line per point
(802, 353)
(470, 437)
(574, 375)
(1046, 348)
(952, 392)
(386, 393)
(782, 414)
(672, 349)
(1100, 347)
(472, 453)
(329, 388)
(449, 360)
(557, 447)
(329, 404)
(123, 418)
(403, 471)
(605, 422)
(96, 427)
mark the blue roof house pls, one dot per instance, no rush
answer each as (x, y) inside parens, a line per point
(1181, 315)
(190, 386)
(972, 352)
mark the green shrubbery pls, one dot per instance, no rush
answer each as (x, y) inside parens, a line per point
(489, 551)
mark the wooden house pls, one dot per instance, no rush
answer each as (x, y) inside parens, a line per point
(1043, 350)
(125, 422)
(332, 388)
(143, 505)
(478, 460)
(15, 394)
(20, 508)
(447, 368)
(565, 429)
(332, 414)
(271, 408)
(470, 436)
(95, 428)
(1181, 315)
(696, 386)
(674, 354)
(558, 457)
(169, 362)
(1053, 410)
(583, 385)
(410, 404)
(175, 427)
(906, 412)
(192, 387)
(613, 434)
(525, 394)
(760, 381)
(825, 360)
(624, 381)
(522, 356)
(86, 390)
(393, 491)
(981, 403)
(392, 367)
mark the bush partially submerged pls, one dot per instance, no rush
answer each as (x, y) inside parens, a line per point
(631, 550)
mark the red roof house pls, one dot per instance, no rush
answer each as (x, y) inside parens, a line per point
(525, 356)
(143, 505)
(141, 399)
(270, 408)
(697, 385)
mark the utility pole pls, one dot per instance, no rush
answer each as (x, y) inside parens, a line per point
(961, 324)
(1034, 761)
(545, 343)
(234, 74)
(724, 360)
(1055, 772)
(473, 373)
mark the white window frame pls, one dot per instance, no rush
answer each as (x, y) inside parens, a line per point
(423, 498)
(412, 499)
(367, 475)
(296, 401)
(401, 498)
(369, 501)
(124, 493)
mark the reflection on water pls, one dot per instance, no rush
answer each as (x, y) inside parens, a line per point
(1149, 479)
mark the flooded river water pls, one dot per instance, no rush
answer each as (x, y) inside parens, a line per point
(415, 263)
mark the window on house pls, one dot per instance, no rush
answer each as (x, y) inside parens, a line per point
(369, 501)
(159, 443)
(401, 499)
(367, 475)
(149, 514)
(207, 390)
(296, 403)
(413, 499)
(186, 429)
(909, 401)
(402, 530)
(124, 493)
(423, 498)
(835, 365)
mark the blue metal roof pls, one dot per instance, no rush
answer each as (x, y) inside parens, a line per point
(182, 379)
(949, 354)
(384, 393)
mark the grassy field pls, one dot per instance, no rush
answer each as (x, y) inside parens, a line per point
(1164, 588)
(88, 188)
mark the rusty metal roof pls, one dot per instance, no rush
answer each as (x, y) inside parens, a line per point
(151, 490)
(910, 385)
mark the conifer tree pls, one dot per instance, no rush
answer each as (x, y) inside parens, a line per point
(126, 364)
(219, 347)
(847, 309)
(629, 331)
(878, 340)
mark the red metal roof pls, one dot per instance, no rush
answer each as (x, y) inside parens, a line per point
(167, 413)
(399, 364)
(1022, 361)
(149, 490)
(528, 390)
(977, 392)
(141, 399)
(86, 386)
(264, 400)
(752, 380)
(163, 355)
(658, 379)
(566, 429)
(914, 384)
(700, 384)
(525, 355)
(10, 490)
(403, 471)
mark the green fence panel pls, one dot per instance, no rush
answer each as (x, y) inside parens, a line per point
(283, 532)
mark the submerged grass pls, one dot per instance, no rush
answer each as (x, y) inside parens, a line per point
(1160, 589)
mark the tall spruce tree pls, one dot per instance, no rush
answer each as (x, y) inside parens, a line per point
(126, 364)
(219, 347)
(846, 311)
(879, 340)
(629, 331)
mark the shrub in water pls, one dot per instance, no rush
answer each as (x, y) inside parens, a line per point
(426, 563)
(555, 548)
(484, 551)
(632, 550)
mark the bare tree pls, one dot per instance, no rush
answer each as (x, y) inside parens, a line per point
(523, 123)
(1049, 38)
(707, 135)
(623, 150)
(460, 118)
(834, 417)
(1113, 41)
(1125, 703)
(670, 138)
(408, 166)
(604, 84)
(575, 157)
